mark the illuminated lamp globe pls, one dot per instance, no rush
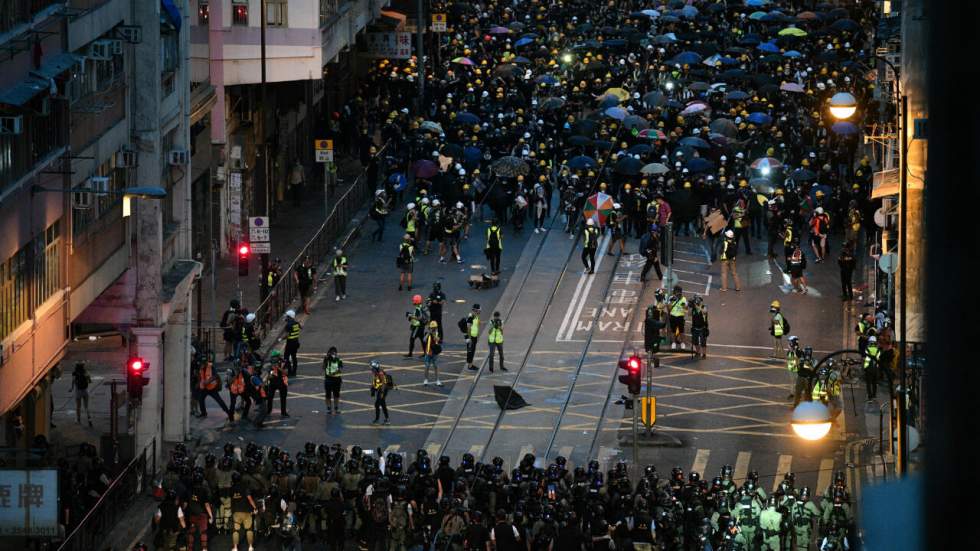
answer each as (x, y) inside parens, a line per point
(811, 420)
(842, 105)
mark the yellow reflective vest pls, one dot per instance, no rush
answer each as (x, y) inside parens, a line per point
(496, 334)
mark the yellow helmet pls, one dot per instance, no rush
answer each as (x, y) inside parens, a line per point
(602, 186)
(819, 193)
(627, 187)
(775, 304)
(743, 183)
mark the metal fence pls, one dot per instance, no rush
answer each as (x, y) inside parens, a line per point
(129, 484)
(319, 247)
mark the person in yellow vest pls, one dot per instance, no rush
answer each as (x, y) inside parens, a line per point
(794, 356)
(430, 352)
(729, 249)
(472, 325)
(590, 242)
(417, 322)
(381, 383)
(770, 523)
(777, 328)
(410, 223)
(677, 310)
(333, 368)
(291, 331)
(494, 246)
(740, 221)
(495, 336)
(827, 389)
(872, 355)
(340, 266)
(405, 261)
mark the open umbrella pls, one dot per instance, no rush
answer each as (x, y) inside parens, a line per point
(844, 128)
(686, 58)
(756, 3)
(694, 107)
(699, 164)
(598, 207)
(651, 13)
(582, 162)
(654, 99)
(521, 60)
(546, 79)
(792, 87)
(757, 15)
(792, 31)
(848, 25)
(425, 169)
(803, 175)
(602, 145)
(725, 127)
(737, 95)
(430, 126)
(792, 54)
(551, 103)
(759, 118)
(508, 398)
(698, 86)
(523, 42)
(653, 134)
(465, 117)
(584, 127)
(608, 100)
(579, 141)
(499, 30)
(628, 166)
(510, 166)
(398, 181)
(635, 121)
(463, 61)
(617, 113)
(654, 168)
(640, 149)
(472, 154)
(765, 164)
(620, 93)
(695, 142)
(452, 150)
(768, 47)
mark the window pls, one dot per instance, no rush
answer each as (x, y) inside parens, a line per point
(84, 219)
(328, 9)
(169, 59)
(29, 277)
(275, 13)
(203, 13)
(239, 13)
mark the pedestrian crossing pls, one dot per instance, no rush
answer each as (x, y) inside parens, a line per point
(741, 469)
(785, 462)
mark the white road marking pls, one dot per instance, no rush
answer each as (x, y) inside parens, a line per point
(526, 449)
(785, 462)
(433, 449)
(825, 476)
(476, 450)
(741, 467)
(601, 253)
(565, 451)
(392, 449)
(701, 462)
(707, 286)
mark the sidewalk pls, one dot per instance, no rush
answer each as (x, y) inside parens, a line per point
(291, 229)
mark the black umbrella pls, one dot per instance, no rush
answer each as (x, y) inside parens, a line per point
(551, 103)
(452, 150)
(628, 166)
(510, 166)
(579, 141)
(654, 99)
(635, 121)
(584, 128)
(507, 397)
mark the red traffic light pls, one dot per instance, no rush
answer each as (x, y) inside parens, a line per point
(136, 365)
(633, 363)
(243, 250)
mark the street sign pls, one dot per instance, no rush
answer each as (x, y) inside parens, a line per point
(324, 155)
(322, 144)
(28, 503)
(648, 410)
(888, 263)
(389, 45)
(258, 229)
(439, 22)
(261, 247)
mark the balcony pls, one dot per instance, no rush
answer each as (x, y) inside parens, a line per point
(14, 13)
(42, 136)
(94, 115)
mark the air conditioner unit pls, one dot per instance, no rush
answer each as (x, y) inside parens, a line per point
(117, 47)
(100, 49)
(98, 185)
(179, 157)
(132, 33)
(126, 159)
(12, 125)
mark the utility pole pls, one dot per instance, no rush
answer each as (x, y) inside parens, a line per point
(420, 65)
(262, 189)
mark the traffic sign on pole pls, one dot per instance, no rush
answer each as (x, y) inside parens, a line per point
(439, 22)
(648, 410)
(324, 150)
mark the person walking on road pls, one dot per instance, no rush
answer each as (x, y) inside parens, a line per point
(729, 250)
(209, 384)
(381, 383)
(797, 263)
(431, 348)
(590, 242)
(297, 179)
(872, 356)
(847, 264)
(677, 310)
(305, 279)
(494, 247)
(416, 324)
(340, 266)
(228, 322)
(778, 326)
(699, 327)
(291, 331)
(379, 212)
(278, 380)
(819, 227)
(333, 369)
(471, 331)
(80, 381)
(437, 299)
(616, 224)
(495, 336)
(405, 260)
(650, 247)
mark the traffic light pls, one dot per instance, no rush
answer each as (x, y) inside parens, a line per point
(136, 368)
(652, 328)
(633, 367)
(243, 253)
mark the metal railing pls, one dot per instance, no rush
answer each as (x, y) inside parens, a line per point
(132, 481)
(319, 247)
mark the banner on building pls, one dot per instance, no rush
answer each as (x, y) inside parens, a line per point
(389, 45)
(29, 503)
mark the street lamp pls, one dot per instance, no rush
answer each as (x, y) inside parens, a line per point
(811, 420)
(843, 105)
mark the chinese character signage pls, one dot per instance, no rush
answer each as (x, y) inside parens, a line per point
(394, 45)
(29, 503)
(439, 22)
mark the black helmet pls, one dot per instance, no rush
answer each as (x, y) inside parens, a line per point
(726, 472)
(444, 461)
(420, 454)
(229, 449)
(649, 471)
(754, 477)
(309, 448)
(593, 466)
(226, 464)
(437, 286)
(561, 461)
(528, 459)
(356, 452)
(677, 474)
(498, 462)
(694, 477)
(805, 493)
(210, 460)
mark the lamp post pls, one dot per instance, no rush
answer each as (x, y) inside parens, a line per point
(841, 108)
(811, 420)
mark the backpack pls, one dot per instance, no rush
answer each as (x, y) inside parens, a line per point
(399, 516)
(462, 324)
(379, 510)
(785, 325)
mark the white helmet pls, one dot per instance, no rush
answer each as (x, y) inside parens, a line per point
(435, 202)
(819, 210)
(378, 192)
(435, 153)
(527, 135)
(729, 234)
(617, 206)
(723, 158)
(411, 206)
(462, 172)
(872, 339)
(459, 204)
(250, 318)
(740, 155)
(590, 222)
(291, 314)
(425, 201)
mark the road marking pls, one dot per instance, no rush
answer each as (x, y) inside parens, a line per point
(565, 451)
(433, 449)
(601, 253)
(700, 462)
(605, 455)
(707, 286)
(476, 450)
(824, 478)
(741, 467)
(392, 449)
(785, 462)
(526, 449)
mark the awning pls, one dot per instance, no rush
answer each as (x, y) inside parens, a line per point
(24, 91)
(390, 20)
(172, 12)
(885, 183)
(55, 66)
